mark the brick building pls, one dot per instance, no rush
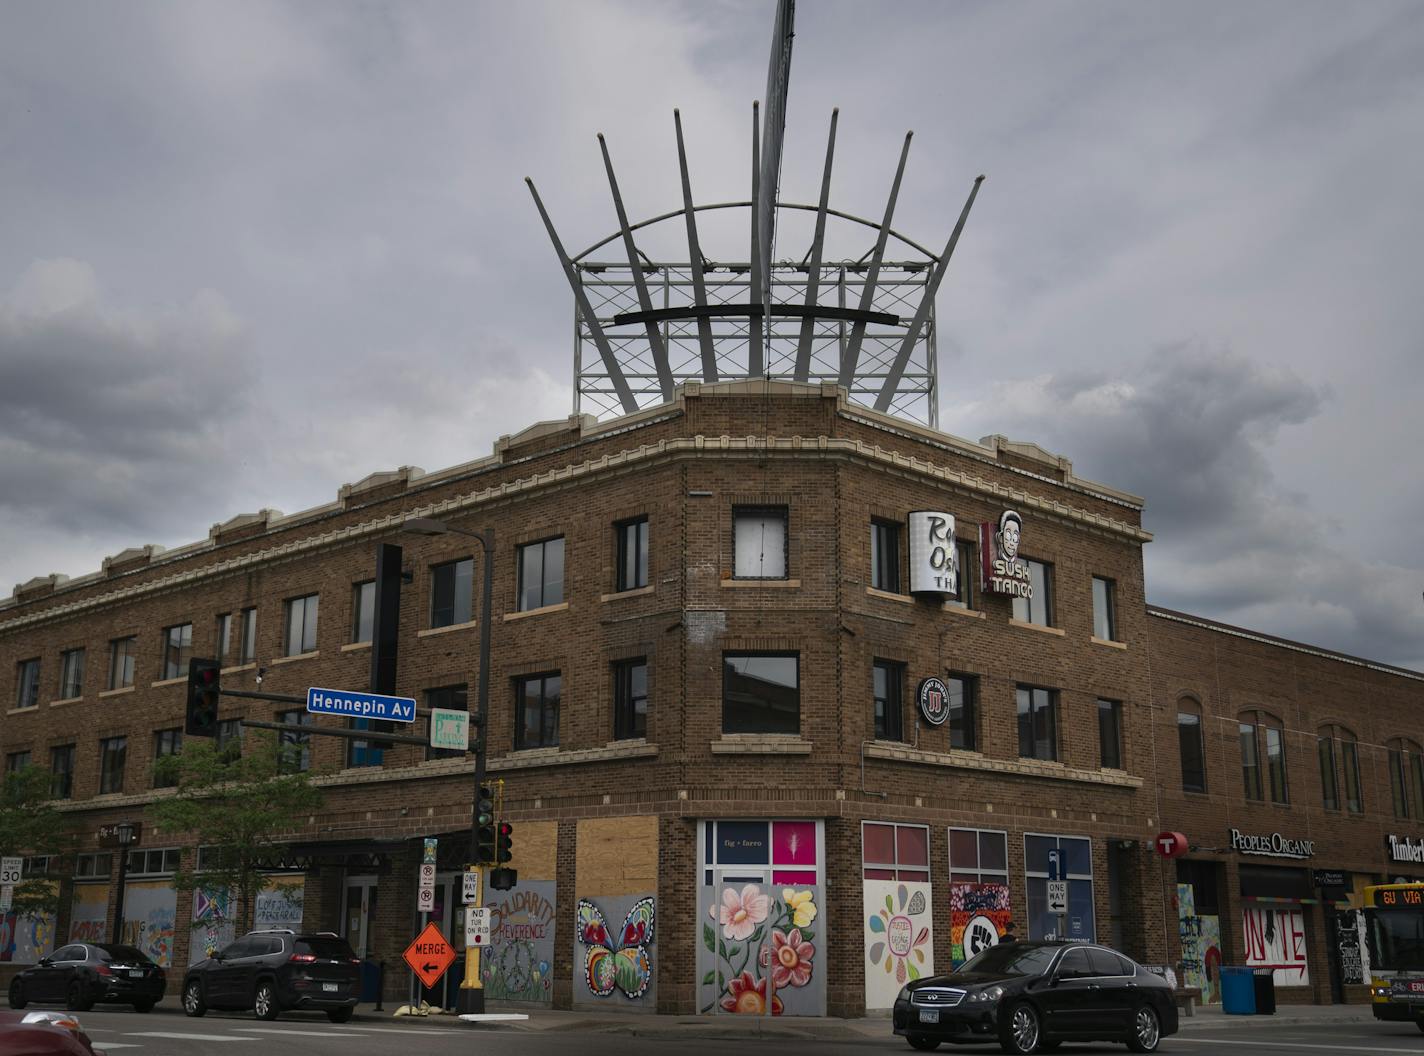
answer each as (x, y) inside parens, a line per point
(710, 705)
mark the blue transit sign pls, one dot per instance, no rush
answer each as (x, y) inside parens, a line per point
(1055, 865)
(355, 704)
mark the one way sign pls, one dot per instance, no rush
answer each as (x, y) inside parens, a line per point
(429, 955)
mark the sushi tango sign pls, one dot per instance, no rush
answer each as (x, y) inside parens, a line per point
(1001, 569)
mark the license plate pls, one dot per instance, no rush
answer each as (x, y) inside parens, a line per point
(136, 973)
(929, 1015)
(330, 988)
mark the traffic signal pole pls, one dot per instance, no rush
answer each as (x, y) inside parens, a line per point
(472, 995)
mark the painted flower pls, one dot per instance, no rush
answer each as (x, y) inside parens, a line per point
(747, 996)
(741, 913)
(894, 936)
(799, 903)
(789, 957)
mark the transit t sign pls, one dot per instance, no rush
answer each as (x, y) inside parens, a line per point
(357, 704)
(429, 955)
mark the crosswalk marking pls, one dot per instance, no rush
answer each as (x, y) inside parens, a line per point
(301, 1033)
(183, 1037)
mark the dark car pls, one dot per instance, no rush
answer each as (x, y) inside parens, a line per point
(42, 1034)
(272, 971)
(1033, 996)
(84, 973)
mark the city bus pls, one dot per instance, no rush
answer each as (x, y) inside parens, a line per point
(1394, 915)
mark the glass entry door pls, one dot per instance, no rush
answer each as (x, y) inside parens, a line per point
(359, 912)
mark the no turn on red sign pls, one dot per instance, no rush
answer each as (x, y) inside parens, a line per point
(429, 955)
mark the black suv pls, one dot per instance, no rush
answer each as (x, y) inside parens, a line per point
(269, 971)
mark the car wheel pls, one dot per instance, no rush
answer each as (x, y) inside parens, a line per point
(17, 993)
(193, 1003)
(1146, 1030)
(1019, 1029)
(75, 998)
(340, 1015)
(143, 1006)
(264, 1003)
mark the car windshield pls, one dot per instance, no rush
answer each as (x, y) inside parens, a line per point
(122, 954)
(1012, 959)
(325, 948)
(1396, 940)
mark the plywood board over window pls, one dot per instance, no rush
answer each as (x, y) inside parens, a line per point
(617, 856)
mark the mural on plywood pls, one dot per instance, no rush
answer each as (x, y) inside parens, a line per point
(150, 907)
(88, 912)
(978, 915)
(761, 945)
(615, 962)
(516, 964)
(899, 942)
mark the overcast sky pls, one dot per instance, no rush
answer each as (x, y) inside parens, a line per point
(250, 252)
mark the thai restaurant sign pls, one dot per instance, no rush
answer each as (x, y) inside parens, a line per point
(934, 565)
(1001, 570)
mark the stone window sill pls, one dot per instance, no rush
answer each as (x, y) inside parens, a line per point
(761, 744)
(1108, 642)
(889, 595)
(116, 692)
(1040, 628)
(21, 711)
(542, 611)
(963, 760)
(637, 592)
(251, 665)
(169, 682)
(960, 610)
(774, 584)
(356, 647)
(293, 659)
(447, 629)
(64, 700)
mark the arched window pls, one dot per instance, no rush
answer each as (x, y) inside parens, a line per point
(1263, 756)
(1191, 744)
(1406, 778)
(1340, 769)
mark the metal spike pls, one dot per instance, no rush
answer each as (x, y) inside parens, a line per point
(755, 367)
(694, 256)
(813, 279)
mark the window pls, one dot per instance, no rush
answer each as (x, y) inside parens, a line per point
(1191, 745)
(165, 743)
(541, 574)
(978, 856)
(1262, 736)
(448, 698)
(1039, 608)
(1104, 609)
(248, 652)
(177, 650)
(1075, 854)
(630, 699)
(761, 693)
(301, 625)
(963, 711)
(224, 638)
(153, 863)
(758, 543)
(1110, 734)
(887, 682)
(294, 747)
(364, 753)
(16, 761)
(1038, 722)
(632, 554)
(92, 865)
(1339, 758)
(121, 662)
(228, 742)
(536, 711)
(451, 590)
(61, 769)
(963, 575)
(885, 556)
(71, 674)
(1406, 778)
(113, 753)
(28, 680)
(894, 852)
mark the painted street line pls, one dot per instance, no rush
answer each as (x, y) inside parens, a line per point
(295, 1033)
(1293, 1045)
(106, 1046)
(184, 1037)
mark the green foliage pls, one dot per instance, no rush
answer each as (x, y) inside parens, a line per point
(30, 825)
(237, 806)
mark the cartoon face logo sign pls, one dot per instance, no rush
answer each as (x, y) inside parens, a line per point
(1002, 570)
(1010, 529)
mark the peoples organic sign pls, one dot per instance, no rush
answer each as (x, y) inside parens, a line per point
(1275, 845)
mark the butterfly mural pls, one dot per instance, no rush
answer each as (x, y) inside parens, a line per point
(617, 960)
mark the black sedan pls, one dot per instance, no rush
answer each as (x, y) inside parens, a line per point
(83, 973)
(1033, 996)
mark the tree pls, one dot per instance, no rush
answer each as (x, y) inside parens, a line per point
(237, 808)
(29, 825)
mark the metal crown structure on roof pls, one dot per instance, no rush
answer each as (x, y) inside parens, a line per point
(643, 327)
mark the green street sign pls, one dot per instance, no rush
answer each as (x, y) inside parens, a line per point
(450, 729)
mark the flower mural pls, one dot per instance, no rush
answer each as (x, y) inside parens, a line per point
(803, 910)
(747, 996)
(742, 912)
(789, 957)
(897, 940)
(754, 930)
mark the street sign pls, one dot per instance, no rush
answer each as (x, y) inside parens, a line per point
(471, 890)
(425, 900)
(477, 925)
(429, 955)
(432, 849)
(1058, 896)
(427, 874)
(449, 729)
(1056, 869)
(357, 704)
(7, 898)
(10, 870)
(1171, 844)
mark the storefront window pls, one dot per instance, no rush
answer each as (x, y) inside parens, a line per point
(1077, 855)
(894, 852)
(979, 910)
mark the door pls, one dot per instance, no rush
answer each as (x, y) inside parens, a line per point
(742, 959)
(1072, 1001)
(49, 980)
(358, 913)
(222, 982)
(1117, 990)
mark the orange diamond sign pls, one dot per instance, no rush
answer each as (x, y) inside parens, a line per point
(429, 955)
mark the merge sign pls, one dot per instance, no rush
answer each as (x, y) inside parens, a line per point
(449, 729)
(354, 704)
(429, 955)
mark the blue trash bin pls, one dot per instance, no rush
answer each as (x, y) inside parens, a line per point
(1238, 991)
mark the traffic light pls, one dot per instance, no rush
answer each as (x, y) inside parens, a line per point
(203, 689)
(503, 878)
(504, 850)
(484, 825)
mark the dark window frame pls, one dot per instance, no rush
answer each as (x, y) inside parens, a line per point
(522, 552)
(630, 722)
(745, 654)
(548, 704)
(1048, 706)
(1110, 609)
(27, 682)
(1188, 707)
(310, 607)
(888, 709)
(363, 611)
(121, 661)
(61, 781)
(764, 513)
(885, 555)
(111, 773)
(17, 761)
(71, 682)
(177, 653)
(166, 742)
(248, 647)
(965, 581)
(451, 603)
(631, 571)
(965, 730)
(300, 760)
(1263, 777)
(1111, 712)
(1023, 609)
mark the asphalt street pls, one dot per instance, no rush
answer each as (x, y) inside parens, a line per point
(169, 1033)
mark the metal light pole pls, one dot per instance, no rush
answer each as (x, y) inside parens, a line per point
(472, 994)
(124, 837)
